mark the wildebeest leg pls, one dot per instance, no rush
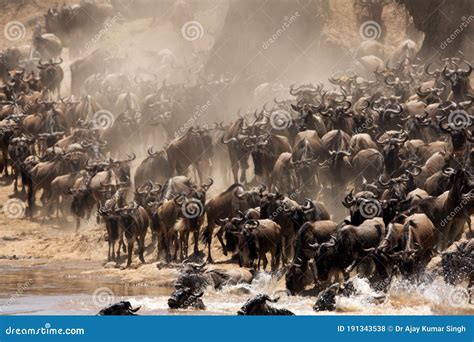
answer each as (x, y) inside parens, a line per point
(468, 220)
(176, 247)
(111, 256)
(263, 257)
(164, 243)
(78, 223)
(141, 247)
(243, 169)
(15, 181)
(183, 244)
(209, 256)
(196, 242)
(5, 161)
(130, 242)
(277, 256)
(235, 170)
(221, 241)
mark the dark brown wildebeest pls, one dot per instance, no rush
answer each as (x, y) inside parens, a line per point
(193, 148)
(154, 168)
(133, 221)
(255, 239)
(18, 151)
(41, 176)
(419, 241)
(51, 76)
(308, 239)
(228, 204)
(447, 211)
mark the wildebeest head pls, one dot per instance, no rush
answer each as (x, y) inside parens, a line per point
(327, 299)
(258, 306)
(297, 276)
(456, 124)
(457, 75)
(184, 297)
(362, 205)
(231, 229)
(251, 197)
(390, 148)
(248, 243)
(337, 160)
(21, 147)
(328, 258)
(260, 150)
(122, 168)
(270, 203)
(123, 308)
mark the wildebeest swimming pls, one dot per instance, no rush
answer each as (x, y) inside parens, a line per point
(394, 140)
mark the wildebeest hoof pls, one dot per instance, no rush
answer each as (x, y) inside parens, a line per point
(123, 308)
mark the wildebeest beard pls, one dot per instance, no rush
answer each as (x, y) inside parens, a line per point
(231, 243)
(252, 245)
(257, 157)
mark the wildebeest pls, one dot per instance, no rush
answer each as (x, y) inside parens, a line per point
(258, 306)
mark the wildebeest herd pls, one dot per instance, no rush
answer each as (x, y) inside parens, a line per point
(395, 142)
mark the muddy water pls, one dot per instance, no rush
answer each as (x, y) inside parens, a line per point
(68, 288)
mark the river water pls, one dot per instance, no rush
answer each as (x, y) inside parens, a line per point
(69, 289)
